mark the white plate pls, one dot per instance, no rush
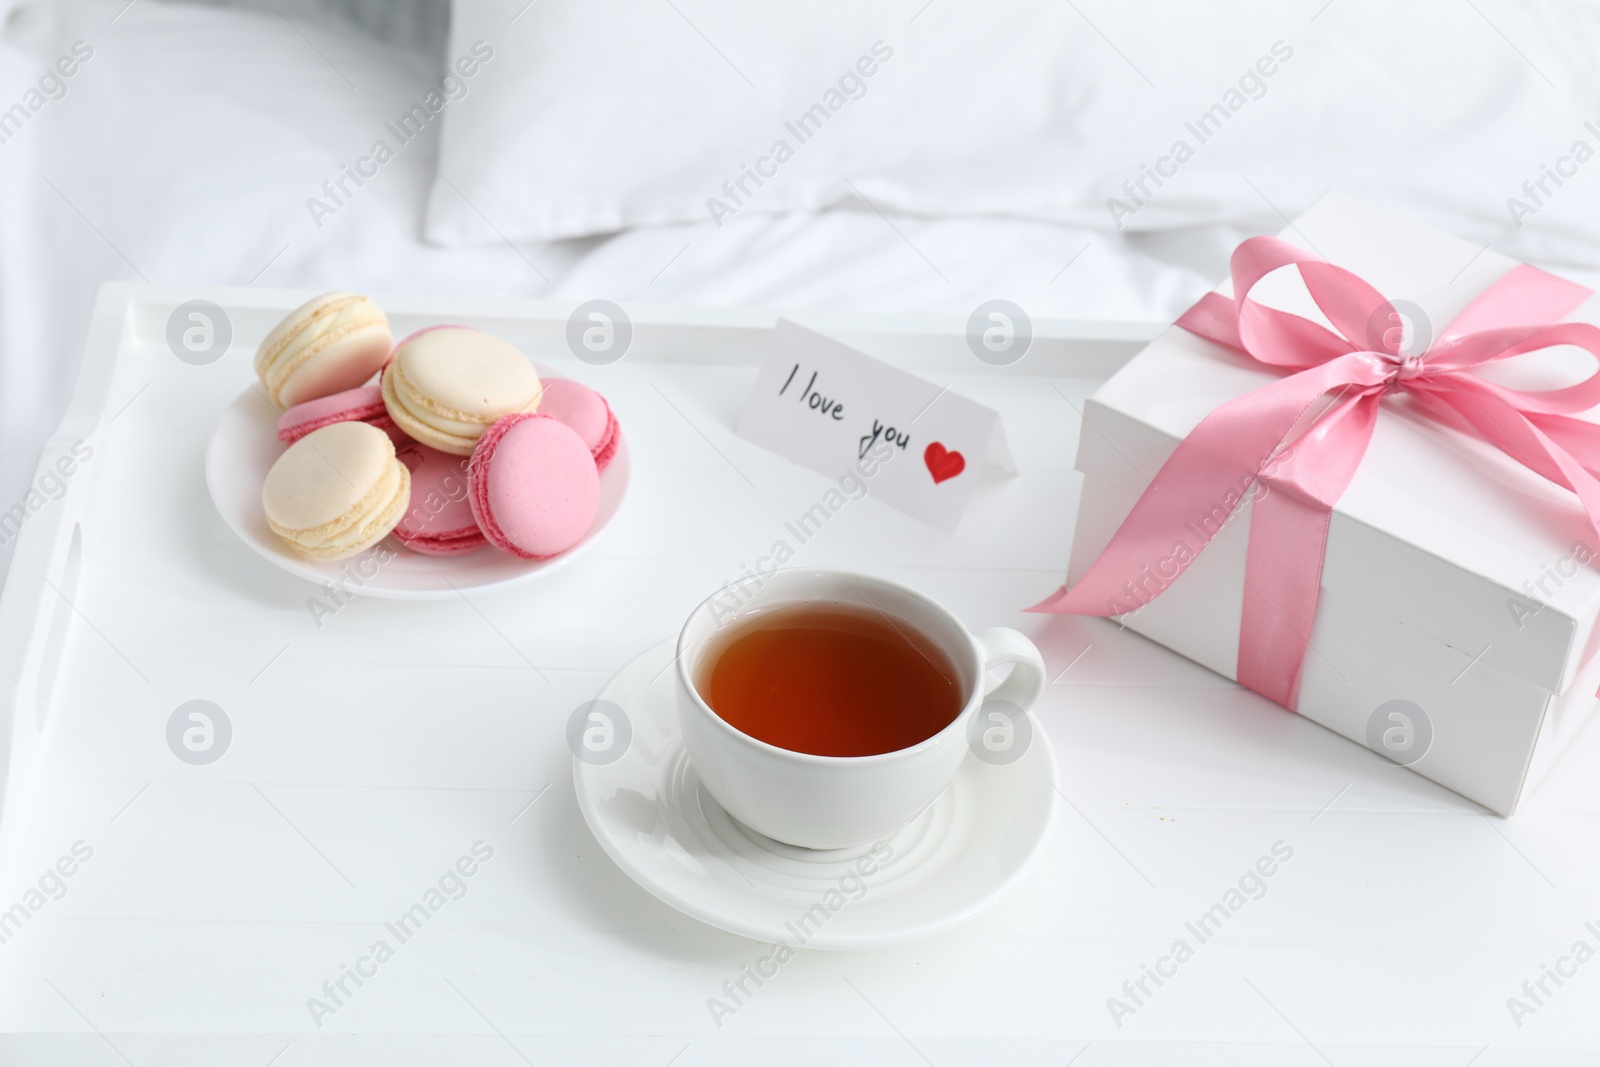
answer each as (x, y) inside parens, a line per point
(243, 448)
(650, 813)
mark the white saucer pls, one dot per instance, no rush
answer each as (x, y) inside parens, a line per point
(652, 816)
(243, 448)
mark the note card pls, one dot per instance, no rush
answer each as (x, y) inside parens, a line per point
(917, 445)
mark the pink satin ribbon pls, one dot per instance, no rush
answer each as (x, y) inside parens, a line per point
(1306, 458)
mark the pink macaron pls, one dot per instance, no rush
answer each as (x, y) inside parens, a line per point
(361, 404)
(534, 486)
(586, 413)
(438, 521)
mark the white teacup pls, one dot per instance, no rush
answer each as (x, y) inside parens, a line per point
(836, 801)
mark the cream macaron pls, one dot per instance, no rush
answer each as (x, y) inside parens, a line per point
(445, 387)
(328, 344)
(336, 491)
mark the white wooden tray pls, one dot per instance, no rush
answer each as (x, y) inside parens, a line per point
(367, 756)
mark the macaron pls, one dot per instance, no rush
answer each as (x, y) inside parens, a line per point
(414, 334)
(330, 343)
(336, 491)
(364, 403)
(438, 521)
(446, 387)
(534, 486)
(586, 413)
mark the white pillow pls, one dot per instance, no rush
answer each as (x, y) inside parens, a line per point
(595, 117)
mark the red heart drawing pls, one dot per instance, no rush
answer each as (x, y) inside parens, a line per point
(942, 463)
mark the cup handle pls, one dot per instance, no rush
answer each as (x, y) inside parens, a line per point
(1001, 645)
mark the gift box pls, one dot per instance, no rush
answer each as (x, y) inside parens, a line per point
(1452, 624)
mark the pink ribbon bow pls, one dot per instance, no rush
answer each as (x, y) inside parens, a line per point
(1248, 439)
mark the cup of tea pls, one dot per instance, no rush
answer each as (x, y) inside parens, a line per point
(825, 708)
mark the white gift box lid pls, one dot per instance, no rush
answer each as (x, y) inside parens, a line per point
(1438, 531)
